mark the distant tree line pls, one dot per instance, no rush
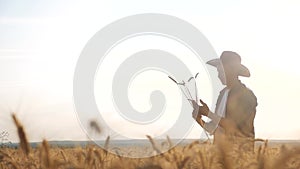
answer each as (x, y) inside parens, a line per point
(4, 139)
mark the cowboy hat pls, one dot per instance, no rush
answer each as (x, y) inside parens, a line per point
(234, 60)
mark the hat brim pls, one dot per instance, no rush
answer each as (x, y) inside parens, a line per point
(214, 62)
(242, 70)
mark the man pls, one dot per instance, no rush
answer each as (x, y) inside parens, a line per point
(236, 106)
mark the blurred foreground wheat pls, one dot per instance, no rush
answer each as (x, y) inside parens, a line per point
(196, 155)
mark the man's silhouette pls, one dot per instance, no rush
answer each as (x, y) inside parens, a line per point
(236, 105)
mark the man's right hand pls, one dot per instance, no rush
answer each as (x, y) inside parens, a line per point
(202, 110)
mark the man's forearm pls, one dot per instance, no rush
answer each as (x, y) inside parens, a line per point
(223, 122)
(214, 117)
(200, 122)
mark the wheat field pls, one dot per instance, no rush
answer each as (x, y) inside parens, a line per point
(196, 155)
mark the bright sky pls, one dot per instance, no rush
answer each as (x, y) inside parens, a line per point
(42, 40)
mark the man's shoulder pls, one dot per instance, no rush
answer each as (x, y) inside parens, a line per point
(242, 91)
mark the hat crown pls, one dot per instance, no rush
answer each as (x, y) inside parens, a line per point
(229, 57)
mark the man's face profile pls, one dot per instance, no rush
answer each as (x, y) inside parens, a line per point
(221, 74)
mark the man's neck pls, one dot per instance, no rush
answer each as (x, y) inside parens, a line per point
(232, 82)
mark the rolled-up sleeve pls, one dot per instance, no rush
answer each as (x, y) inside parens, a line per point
(210, 127)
